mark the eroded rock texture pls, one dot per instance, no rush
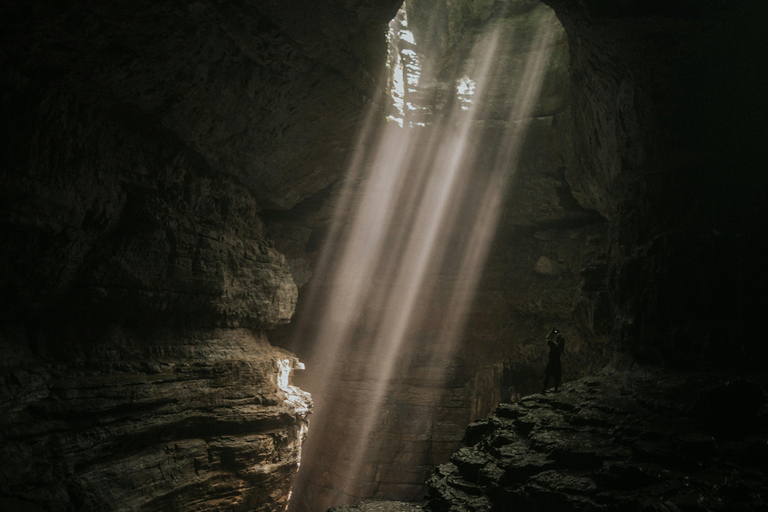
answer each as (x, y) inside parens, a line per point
(620, 440)
(152, 420)
(140, 141)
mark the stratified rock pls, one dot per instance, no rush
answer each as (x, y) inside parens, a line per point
(153, 421)
(618, 441)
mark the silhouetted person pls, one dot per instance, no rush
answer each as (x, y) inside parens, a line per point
(556, 343)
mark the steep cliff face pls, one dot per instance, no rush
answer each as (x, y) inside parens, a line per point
(140, 143)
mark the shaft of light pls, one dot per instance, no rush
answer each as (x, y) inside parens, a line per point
(399, 208)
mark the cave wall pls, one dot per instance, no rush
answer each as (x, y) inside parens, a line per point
(140, 142)
(666, 125)
(169, 170)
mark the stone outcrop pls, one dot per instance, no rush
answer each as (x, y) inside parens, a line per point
(190, 420)
(620, 440)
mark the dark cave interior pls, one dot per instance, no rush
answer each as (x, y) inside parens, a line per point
(170, 172)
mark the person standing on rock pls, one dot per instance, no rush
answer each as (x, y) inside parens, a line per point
(556, 343)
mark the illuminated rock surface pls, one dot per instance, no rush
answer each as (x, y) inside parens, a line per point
(177, 420)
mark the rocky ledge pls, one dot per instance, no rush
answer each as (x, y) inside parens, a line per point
(194, 421)
(622, 440)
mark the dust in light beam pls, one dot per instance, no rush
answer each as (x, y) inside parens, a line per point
(416, 201)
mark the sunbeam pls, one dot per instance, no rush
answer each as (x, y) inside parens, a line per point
(417, 212)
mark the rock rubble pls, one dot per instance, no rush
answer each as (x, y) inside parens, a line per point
(620, 440)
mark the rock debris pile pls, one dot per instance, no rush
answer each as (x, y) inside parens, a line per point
(620, 440)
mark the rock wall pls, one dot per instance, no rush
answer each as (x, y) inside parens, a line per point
(140, 142)
(171, 419)
(663, 148)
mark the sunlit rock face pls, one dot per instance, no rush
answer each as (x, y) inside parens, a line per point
(141, 141)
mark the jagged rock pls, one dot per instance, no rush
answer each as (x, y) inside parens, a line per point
(611, 450)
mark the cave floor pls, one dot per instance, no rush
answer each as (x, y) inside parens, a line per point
(378, 506)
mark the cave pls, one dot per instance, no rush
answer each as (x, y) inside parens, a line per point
(299, 255)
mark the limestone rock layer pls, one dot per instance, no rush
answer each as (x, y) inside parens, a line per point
(153, 421)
